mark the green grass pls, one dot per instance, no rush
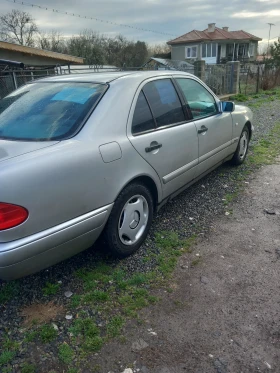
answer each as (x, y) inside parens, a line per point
(6, 357)
(267, 149)
(95, 296)
(138, 279)
(50, 289)
(8, 291)
(30, 336)
(114, 326)
(75, 301)
(8, 344)
(72, 370)
(65, 353)
(171, 248)
(84, 327)
(239, 97)
(93, 344)
(229, 197)
(47, 333)
(28, 368)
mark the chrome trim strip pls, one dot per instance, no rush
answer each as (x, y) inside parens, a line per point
(179, 171)
(215, 151)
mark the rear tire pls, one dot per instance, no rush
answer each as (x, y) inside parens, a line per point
(130, 220)
(242, 148)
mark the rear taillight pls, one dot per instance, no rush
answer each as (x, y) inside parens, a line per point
(11, 215)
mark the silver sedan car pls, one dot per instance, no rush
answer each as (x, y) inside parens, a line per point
(85, 154)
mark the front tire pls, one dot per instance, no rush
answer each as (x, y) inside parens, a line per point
(242, 148)
(130, 220)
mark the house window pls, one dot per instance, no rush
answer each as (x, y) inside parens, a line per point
(191, 52)
(251, 50)
(209, 50)
(243, 50)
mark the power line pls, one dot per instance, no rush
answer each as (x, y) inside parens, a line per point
(86, 17)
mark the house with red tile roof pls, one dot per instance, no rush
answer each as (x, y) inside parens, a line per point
(215, 45)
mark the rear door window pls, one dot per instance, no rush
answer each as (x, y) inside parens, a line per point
(164, 101)
(142, 120)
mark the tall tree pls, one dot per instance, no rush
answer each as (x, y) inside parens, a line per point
(18, 27)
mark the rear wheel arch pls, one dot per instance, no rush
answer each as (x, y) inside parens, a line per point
(149, 183)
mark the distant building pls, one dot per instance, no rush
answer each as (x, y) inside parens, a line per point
(215, 45)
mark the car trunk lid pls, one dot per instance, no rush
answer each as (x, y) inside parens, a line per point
(10, 149)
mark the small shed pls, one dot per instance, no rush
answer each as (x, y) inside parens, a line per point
(36, 57)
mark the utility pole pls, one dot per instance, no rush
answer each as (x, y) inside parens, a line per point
(270, 24)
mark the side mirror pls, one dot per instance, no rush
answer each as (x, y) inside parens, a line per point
(228, 106)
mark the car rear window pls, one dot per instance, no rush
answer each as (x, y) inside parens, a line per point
(47, 111)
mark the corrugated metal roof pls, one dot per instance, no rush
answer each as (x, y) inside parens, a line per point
(218, 34)
(40, 52)
(173, 64)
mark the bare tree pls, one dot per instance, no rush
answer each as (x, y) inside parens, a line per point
(53, 41)
(160, 50)
(18, 27)
(89, 45)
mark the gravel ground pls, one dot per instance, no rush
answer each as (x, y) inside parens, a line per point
(201, 202)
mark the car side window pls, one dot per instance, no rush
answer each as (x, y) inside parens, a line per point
(201, 102)
(142, 118)
(164, 102)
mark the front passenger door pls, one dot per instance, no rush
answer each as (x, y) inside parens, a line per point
(214, 128)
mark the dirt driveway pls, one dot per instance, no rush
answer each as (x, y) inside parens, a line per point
(224, 315)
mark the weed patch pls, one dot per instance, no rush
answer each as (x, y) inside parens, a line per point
(50, 289)
(114, 326)
(65, 353)
(47, 333)
(6, 357)
(8, 291)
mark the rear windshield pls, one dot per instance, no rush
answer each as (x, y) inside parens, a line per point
(47, 111)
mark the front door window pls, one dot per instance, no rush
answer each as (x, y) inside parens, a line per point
(201, 103)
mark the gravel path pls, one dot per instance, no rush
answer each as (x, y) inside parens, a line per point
(191, 212)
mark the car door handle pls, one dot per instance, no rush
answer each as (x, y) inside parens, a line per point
(153, 147)
(202, 129)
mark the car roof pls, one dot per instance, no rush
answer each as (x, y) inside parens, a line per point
(107, 77)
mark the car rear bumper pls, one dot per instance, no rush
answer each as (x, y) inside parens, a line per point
(30, 254)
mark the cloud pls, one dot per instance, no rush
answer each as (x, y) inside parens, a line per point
(166, 17)
(246, 14)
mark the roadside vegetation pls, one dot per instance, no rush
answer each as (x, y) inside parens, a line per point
(109, 294)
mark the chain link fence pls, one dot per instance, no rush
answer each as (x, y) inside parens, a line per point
(257, 77)
(219, 78)
(11, 80)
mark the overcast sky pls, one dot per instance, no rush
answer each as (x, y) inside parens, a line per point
(173, 17)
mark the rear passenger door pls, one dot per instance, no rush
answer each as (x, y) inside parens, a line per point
(163, 135)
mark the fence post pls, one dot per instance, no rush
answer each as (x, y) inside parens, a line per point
(199, 69)
(258, 79)
(234, 76)
(14, 79)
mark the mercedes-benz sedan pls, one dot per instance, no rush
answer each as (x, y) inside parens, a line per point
(85, 154)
